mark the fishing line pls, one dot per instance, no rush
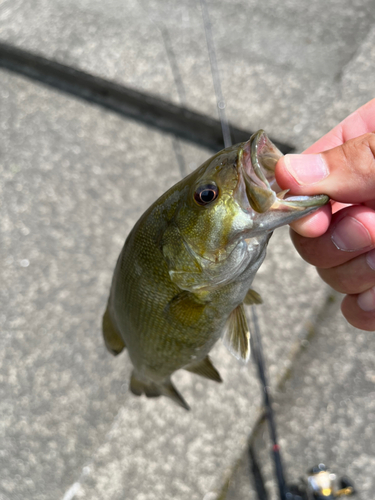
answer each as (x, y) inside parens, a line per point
(215, 75)
(179, 84)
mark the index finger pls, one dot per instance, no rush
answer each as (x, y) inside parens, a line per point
(358, 123)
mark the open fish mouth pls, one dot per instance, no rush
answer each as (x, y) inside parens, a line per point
(257, 160)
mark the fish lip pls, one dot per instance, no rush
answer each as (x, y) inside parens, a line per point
(260, 159)
(256, 162)
(260, 193)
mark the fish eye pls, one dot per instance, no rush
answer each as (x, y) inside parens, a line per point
(206, 194)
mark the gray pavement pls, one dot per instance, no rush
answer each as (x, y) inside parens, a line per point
(75, 178)
(325, 411)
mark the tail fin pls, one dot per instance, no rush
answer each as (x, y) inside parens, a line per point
(153, 390)
(112, 338)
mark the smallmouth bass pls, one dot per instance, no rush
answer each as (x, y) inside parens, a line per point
(186, 268)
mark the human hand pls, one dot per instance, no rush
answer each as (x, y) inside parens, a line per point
(339, 239)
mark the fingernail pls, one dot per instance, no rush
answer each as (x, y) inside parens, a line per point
(350, 235)
(306, 169)
(370, 258)
(366, 300)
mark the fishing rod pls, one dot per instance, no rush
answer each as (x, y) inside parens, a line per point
(321, 483)
(256, 348)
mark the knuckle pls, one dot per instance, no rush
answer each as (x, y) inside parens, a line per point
(369, 141)
(305, 247)
(335, 279)
(355, 316)
(358, 156)
(312, 250)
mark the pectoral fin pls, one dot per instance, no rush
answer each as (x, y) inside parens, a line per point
(204, 368)
(252, 297)
(112, 338)
(185, 309)
(237, 335)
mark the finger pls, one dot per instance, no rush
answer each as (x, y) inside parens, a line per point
(370, 204)
(345, 173)
(359, 310)
(358, 123)
(351, 233)
(314, 225)
(355, 276)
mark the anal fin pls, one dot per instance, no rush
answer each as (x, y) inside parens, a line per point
(204, 368)
(252, 297)
(112, 339)
(154, 390)
(138, 387)
(237, 335)
(169, 390)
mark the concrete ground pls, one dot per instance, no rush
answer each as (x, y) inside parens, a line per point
(325, 412)
(74, 180)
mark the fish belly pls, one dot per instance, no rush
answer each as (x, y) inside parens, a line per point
(161, 337)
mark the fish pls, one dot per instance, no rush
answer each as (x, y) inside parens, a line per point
(185, 272)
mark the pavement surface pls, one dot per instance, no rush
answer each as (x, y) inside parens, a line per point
(74, 178)
(325, 412)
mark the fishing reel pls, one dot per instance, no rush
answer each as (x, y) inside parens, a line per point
(321, 484)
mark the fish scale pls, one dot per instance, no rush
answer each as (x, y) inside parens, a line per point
(186, 268)
(145, 296)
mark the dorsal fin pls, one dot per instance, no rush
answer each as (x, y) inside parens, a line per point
(237, 335)
(252, 297)
(204, 368)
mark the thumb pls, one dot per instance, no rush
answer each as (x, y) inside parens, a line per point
(345, 173)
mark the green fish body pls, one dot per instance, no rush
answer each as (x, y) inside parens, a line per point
(186, 268)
